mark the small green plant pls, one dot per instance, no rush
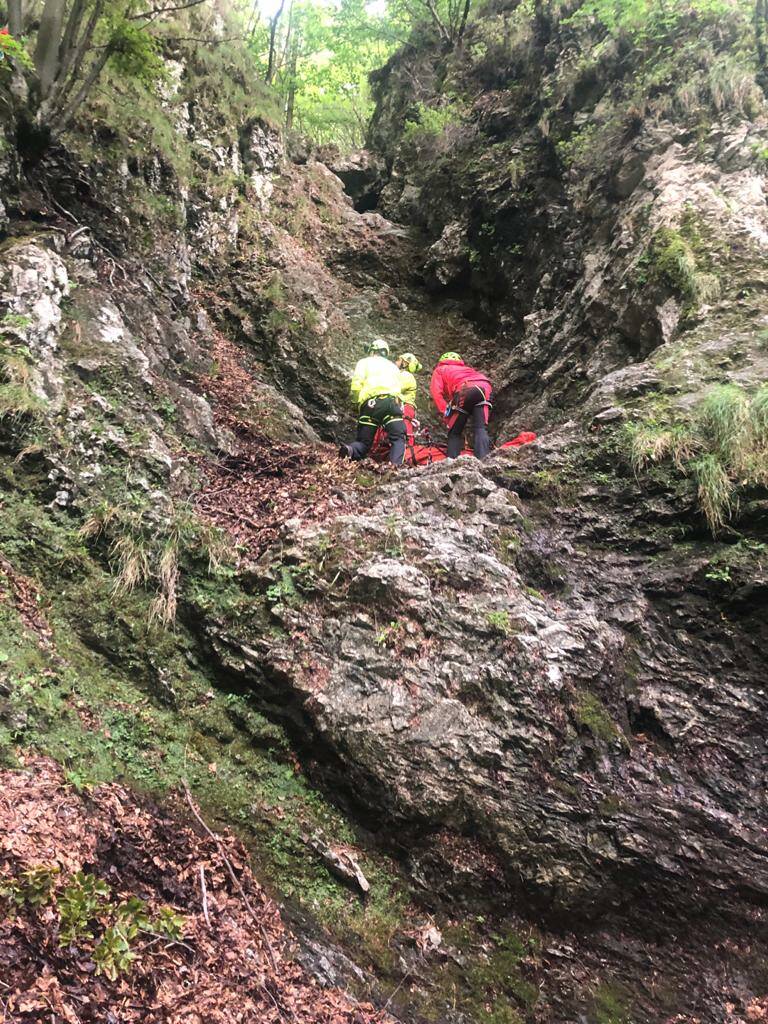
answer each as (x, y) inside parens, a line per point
(34, 888)
(720, 574)
(113, 953)
(389, 635)
(169, 924)
(79, 905)
(500, 622)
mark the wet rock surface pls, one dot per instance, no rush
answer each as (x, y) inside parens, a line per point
(583, 732)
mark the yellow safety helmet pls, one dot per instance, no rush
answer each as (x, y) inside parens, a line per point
(412, 364)
(454, 357)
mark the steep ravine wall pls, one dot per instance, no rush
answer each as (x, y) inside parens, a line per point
(592, 195)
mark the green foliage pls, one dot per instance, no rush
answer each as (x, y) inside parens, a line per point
(284, 591)
(135, 53)
(85, 908)
(79, 905)
(11, 50)
(723, 447)
(647, 21)
(326, 52)
(581, 145)
(113, 954)
(33, 888)
(430, 122)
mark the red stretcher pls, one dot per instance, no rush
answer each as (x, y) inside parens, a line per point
(421, 451)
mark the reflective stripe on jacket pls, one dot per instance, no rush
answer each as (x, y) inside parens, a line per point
(448, 377)
(373, 376)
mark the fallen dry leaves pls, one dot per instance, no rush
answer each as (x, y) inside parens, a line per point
(232, 965)
(25, 596)
(254, 492)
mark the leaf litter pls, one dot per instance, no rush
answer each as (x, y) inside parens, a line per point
(231, 961)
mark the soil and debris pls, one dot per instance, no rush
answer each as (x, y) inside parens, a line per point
(264, 484)
(26, 599)
(113, 910)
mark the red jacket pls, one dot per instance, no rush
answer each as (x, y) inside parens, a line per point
(448, 377)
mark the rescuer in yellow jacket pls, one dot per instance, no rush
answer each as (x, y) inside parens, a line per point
(376, 395)
(409, 366)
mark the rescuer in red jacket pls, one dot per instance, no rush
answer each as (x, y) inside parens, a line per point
(459, 391)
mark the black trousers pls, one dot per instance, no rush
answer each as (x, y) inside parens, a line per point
(472, 404)
(383, 411)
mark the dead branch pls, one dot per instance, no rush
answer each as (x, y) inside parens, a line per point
(232, 875)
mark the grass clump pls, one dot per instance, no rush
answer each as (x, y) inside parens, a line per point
(723, 448)
(18, 400)
(671, 260)
(651, 442)
(146, 549)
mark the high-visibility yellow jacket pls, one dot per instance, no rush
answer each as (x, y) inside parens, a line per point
(374, 376)
(408, 387)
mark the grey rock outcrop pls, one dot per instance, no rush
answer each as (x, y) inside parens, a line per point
(600, 760)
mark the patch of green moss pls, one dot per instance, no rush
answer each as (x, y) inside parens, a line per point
(500, 622)
(611, 1004)
(507, 544)
(490, 985)
(590, 713)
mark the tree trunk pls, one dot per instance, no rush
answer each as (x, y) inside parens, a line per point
(464, 16)
(71, 61)
(761, 45)
(290, 104)
(274, 22)
(48, 43)
(61, 120)
(15, 18)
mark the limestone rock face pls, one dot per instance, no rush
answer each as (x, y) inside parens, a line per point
(363, 175)
(600, 759)
(448, 258)
(559, 230)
